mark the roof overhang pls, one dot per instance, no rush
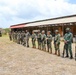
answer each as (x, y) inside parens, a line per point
(17, 26)
(54, 21)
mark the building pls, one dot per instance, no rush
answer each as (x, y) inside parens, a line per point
(60, 23)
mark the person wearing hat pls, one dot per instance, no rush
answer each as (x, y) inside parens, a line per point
(57, 42)
(0, 34)
(68, 42)
(43, 40)
(19, 37)
(15, 36)
(27, 38)
(33, 39)
(39, 40)
(22, 37)
(49, 40)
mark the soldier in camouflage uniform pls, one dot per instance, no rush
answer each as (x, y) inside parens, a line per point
(43, 40)
(27, 38)
(24, 40)
(39, 40)
(10, 36)
(18, 37)
(68, 42)
(57, 42)
(49, 40)
(0, 34)
(33, 39)
(22, 37)
(13, 35)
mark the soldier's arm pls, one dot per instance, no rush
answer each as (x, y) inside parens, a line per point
(45, 37)
(29, 35)
(58, 39)
(64, 37)
(50, 38)
(71, 37)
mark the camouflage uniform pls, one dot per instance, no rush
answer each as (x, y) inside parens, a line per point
(68, 42)
(49, 40)
(10, 36)
(27, 38)
(13, 35)
(39, 40)
(22, 37)
(43, 41)
(19, 37)
(16, 36)
(57, 43)
(33, 40)
(0, 34)
(24, 40)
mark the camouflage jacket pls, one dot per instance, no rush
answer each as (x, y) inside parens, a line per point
(68, 37)
(49, 39)
(33, 37)
(57, 39)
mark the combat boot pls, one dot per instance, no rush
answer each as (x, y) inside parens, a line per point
(27, 45)
(71, 57)
(67, 56)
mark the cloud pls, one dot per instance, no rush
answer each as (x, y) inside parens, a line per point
(19, 11)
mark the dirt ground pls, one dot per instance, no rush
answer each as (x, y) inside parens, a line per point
(16, 59)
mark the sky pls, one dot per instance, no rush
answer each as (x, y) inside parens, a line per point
(21, 11)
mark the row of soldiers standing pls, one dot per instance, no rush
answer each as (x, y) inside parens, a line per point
(43, 40)
(21, 37)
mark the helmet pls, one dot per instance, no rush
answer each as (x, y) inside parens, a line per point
(49, 31)
(43, 31)
(56, 31)
(67, 29)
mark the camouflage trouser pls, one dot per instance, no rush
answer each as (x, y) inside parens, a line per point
(10, 37)
(39, 44)
(49, 46)
(57, 46)
(68, 47)
(33, 43)
(24, 41)
(13, 39)
(27, 42)
(18, 40)
(43, 44)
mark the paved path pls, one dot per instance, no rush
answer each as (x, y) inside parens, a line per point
(18, 60)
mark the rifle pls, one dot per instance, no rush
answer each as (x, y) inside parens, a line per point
(75, 47)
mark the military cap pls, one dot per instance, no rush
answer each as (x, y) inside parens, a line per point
(56, 31)
(67, 29)
(49, 31)
(43, 31)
